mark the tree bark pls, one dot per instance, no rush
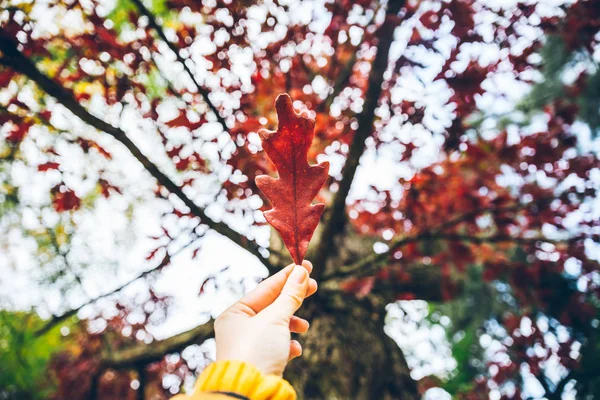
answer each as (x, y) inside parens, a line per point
(144, 354)
(347, 354)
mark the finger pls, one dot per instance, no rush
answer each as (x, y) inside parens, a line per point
(295, 349)
(308, 265)
(291, 297)
(312, 287)
(265, 293)
(298, 325)
(312, 284)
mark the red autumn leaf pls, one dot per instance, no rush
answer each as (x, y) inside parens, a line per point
(174, 151)
(182, 164)
(64, 199)
(409, 148)
(292, 215)
(106, 187)
(462, 13)
(48, 166)
(151, 255)
(46, 114)
(183, 120)
(359, 286)
(18, 132)
(6, 76)
(406, 296)
(87, 144)
(430, 20)
(415, 38)
(195, 252)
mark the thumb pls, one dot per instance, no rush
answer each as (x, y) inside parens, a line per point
(292, 295)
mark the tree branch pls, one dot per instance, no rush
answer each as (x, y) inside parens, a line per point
(143, 354)
(560, 387)
(343, 76)
(341, 81)
(161, 33)
(335, 223)
(57, 319)
(141, 390)
(504, 238)
(542, 380)
(478, 211)
(371, 263)
(13, 58)
(425, 283)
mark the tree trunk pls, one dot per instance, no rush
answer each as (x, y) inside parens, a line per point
(347, 355)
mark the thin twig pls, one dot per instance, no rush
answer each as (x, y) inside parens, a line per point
(161, 33)
(59, 318)
(372, 262)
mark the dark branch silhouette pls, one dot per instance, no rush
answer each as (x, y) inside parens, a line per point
(14, 59)
(144, 354)
(159, 30)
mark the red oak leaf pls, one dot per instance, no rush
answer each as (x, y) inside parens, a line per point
(182, 120)
(18, 132)
(292, 215)
(64, 199)
(48, 166)
(5, 77)
(87, 144)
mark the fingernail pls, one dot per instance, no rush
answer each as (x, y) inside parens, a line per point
(298, 274)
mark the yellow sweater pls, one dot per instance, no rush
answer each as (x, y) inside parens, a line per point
(226, 380)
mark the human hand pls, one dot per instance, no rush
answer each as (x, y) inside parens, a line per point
(257, 329)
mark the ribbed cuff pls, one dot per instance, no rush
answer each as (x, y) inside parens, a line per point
(244, 379)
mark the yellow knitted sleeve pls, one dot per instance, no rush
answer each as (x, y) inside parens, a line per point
(239, 379)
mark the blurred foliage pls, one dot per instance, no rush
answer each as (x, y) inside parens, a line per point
(24, 357)
(556, 61)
